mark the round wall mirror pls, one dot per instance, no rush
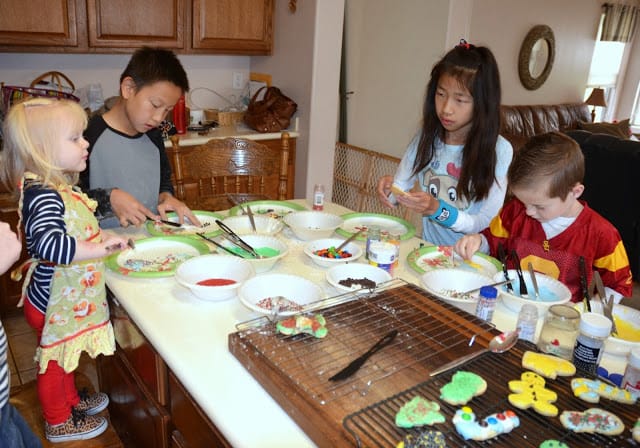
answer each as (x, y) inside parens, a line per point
(536, 57)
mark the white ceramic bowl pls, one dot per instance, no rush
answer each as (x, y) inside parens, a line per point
(213, 266)
(356, 271)
(353, 248)
(628, 325)
(443, 282)
(265, 225)
(552, 292)
(263, 244)
(311, 225)
(291, 287)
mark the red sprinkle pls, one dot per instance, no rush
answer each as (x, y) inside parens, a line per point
(216, 282)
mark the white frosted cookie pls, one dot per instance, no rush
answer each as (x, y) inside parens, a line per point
(591, 391)
(491, 426)
(592, 420)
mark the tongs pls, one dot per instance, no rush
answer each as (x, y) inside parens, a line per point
(231, 236)
(503, 259)
(523, 285)
(244, 211)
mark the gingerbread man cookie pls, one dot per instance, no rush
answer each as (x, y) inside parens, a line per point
(462, 388)
(491, 426)
(530, 391)
(418, 412)
(592, 420)
(591, 391)
(548, 366)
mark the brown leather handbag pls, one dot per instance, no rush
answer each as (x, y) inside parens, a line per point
(272, 113)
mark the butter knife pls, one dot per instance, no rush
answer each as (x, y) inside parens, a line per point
(523, 285)
(355, 365)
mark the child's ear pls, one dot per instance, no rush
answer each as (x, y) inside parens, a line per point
(127, 87)
(577, 190)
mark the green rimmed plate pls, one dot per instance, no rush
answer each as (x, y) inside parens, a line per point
(275, 209)
(356, 221)
(428, 258)
(155, 257)
(208, 220)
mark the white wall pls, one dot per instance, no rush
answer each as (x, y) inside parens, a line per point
(213, 72)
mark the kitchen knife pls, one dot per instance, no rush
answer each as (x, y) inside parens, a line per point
(355, 365)
(503, 259)
(523, 286)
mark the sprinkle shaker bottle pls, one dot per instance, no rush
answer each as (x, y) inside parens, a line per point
(527, 322)
(486, 303)
(631, 378)
(318, 197)
(179, 116)
(373, 235)
(594, 329)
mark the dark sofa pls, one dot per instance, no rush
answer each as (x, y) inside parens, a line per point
(612, 185)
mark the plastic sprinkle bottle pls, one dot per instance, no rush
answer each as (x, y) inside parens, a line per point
(318, 197)
(594, 329)
(527, 322)
(631, 378)
(373, 235)
(486, 303)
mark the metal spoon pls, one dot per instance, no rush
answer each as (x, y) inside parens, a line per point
(499, 344)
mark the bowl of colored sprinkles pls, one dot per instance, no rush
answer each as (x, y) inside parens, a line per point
(357, 277)
(214, 277)
(279, 294)
(452, 284)
(270, 249)
(324, 252)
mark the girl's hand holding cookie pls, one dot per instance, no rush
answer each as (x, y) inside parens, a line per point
(419, 201)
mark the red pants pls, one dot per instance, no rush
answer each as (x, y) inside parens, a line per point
(56, 389)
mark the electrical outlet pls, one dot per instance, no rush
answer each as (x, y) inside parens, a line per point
(237, 80)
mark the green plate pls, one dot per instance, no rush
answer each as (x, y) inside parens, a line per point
(429, 258)
(155, 257)
(356, 221)
(208, 220)
(276, 209)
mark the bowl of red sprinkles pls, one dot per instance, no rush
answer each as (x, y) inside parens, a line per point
(325, 253)
(214, 277)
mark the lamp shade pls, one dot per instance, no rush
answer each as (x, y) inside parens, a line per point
(596, 98)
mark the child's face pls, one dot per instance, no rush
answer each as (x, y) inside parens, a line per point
(454, 106)
(70, 149)
(147, 107)
(541, 207)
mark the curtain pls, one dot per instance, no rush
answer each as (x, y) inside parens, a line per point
(619, 22)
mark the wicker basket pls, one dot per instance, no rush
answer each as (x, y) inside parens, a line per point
(229, 118)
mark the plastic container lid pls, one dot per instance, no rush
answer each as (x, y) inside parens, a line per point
(634, 358)
(488, 292)
(595, 325)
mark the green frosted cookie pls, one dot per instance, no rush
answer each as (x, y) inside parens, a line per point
(314, 325)
(551, 443)
(418, 412)
(462, 388)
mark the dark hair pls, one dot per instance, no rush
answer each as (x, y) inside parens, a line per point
(150, 65)
(553, 156)
(476, 69)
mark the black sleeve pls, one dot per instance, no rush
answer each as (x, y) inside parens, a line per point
(165, 168)
(95, 128)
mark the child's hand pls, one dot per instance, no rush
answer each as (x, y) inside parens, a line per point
(419, 201)
(384, 188)
(114, 243)
(128, 209)
(170, 203)
(468, 245)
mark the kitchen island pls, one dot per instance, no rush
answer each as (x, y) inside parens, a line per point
(190, 336)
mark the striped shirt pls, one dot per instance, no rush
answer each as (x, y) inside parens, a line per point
(46, 238)
(4, 369)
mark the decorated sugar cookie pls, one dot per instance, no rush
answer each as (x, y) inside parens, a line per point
(591, 391)
(491, 426)
(313, 325)
(592, 420)
(548, 366)
(530, 392)
(635, 432)
(462, 388)
(426, 439)
(418, 412)
(552, 443)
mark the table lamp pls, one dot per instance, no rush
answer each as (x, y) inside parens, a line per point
(596, 99)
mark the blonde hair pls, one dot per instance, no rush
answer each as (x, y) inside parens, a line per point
(31, 131)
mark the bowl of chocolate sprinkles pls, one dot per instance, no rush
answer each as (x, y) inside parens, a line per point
(356, 277)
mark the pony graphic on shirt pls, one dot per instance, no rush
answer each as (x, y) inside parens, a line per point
(443, 186)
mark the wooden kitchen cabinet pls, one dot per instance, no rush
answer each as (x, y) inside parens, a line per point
(121, 26)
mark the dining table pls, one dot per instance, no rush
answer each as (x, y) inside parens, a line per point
(192, 337)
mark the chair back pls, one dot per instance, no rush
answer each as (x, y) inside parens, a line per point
(206, 175)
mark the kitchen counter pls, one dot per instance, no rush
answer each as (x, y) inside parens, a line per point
(191, 335)
(239, 130)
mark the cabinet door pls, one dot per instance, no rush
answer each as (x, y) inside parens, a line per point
(49, 23)
(233, 26)
(134, 23)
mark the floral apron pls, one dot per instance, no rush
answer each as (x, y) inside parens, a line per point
(77, 317)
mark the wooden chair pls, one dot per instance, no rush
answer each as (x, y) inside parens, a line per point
(206, 175)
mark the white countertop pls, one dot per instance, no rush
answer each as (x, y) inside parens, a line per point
(191, 335)
(239, 130)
